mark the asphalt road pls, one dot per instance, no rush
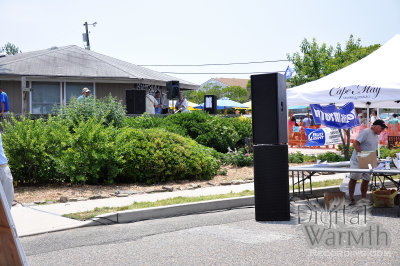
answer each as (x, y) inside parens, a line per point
(227, 237)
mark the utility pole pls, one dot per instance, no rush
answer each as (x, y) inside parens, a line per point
(86, 36)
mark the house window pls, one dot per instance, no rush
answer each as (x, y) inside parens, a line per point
(45, 95)
(74, 89)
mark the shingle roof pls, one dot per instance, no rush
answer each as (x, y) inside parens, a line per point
(73, 61)
(233, 82)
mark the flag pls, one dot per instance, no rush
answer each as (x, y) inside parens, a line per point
(289, 72)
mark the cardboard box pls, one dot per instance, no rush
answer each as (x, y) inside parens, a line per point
(384, 198)
(335, 198)
(363, 161)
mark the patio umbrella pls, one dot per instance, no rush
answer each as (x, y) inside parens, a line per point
(247, 104)
(224, 103)
(190, 105)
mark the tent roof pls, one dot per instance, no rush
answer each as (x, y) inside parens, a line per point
(373, 79)
(76, 62)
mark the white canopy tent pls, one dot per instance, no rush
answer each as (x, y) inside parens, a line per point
(372, 82)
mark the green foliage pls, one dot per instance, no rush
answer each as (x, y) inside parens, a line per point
(87, 151)
(314, 61)
(235, 93)
(330, 157)
(109, 109)
(155, 155)
(212, 131)
(385, 152)
(10, 49)
(32, 147)
(91, 155)
(296, 157)
(243, 126)
(240, 158)
(340, 148)
(220, 136)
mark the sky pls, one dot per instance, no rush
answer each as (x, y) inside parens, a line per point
(189, 32)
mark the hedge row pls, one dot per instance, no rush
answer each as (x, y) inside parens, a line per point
(90, 151)
(211, 131)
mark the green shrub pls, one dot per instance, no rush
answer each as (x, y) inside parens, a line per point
(220, 135)
(109, 109)
(296, 157)
(91, 155)
(385, 152)
(155, 155)
(211, 131)
(340, 148)
(330, 157)
(242, 125)
(32, 146)
(239, 158)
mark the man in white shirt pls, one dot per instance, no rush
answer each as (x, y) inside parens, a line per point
(367, 140)
(151, 104)
(182, 104)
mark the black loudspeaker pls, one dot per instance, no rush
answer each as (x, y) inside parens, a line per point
(271, 182)
(210, 104)
(172, 89)
(135, 101)
(268, 96)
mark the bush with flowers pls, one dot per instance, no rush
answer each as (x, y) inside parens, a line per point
(238, 158)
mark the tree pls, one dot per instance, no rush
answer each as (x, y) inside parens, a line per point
(10, 49)
(235, 93)
(314, 62)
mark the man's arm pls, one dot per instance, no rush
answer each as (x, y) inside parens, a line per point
(356, 146)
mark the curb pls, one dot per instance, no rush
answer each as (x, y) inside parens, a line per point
(172, 210)
(185, 209)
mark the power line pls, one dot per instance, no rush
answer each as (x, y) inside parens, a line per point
(222, 73)
(222, 64)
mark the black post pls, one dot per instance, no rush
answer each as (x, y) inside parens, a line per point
(270, 137)
(87, 35)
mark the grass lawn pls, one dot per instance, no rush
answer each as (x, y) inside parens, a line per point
(181, 200)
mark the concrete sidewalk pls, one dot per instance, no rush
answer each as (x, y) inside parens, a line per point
(38, 219)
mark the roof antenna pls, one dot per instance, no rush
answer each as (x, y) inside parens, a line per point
(86, 35)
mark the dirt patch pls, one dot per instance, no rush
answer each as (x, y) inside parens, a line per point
(53, 193)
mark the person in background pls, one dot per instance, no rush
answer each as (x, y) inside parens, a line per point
(363, 119)
(159, 104)
(306, 121)
(6, 178)
(85, 95)
(394, 120)
(373, 117)
(367, 140)
(292, 123)
(5, 106)
(181, 104)
(151, 104)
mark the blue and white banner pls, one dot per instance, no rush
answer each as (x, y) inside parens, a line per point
(333, 117)
(322, 136)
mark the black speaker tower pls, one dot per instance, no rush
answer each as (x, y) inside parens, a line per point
(172, 89)
(270, 137)
(210, 104)
(135, 101)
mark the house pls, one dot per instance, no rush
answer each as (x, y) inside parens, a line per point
(225, 82)
(36, 81)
